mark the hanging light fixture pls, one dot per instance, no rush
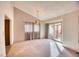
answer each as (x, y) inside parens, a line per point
(37, 21)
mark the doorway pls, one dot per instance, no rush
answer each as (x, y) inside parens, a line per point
(7, 34)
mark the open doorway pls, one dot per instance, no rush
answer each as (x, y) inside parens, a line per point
(7, 33)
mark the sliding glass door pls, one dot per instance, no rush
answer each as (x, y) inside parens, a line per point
(36, 32)
(28, 31)
(55, 31)
(32, 31)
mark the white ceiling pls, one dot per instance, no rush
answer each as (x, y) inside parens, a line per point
(46, 9)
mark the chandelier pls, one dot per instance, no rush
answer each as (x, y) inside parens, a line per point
(37, 21)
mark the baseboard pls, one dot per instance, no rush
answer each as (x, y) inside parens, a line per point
(77, 52)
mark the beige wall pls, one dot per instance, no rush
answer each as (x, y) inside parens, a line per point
(2, 47)
(70, 30)
(5, 9)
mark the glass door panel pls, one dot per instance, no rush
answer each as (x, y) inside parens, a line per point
(36, 32)
(55, 31)
(32, 31)
(28, 31)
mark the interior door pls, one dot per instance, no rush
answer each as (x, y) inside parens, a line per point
(7, 32)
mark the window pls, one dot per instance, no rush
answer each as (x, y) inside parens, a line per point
(28, 27)
(55, 31)
(32, 31)
(36, 32)
(36, 28)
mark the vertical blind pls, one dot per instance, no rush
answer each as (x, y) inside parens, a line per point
(32, 31)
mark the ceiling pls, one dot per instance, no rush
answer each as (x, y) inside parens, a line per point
(45, 10)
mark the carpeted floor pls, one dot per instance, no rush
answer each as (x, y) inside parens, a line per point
(39, 48)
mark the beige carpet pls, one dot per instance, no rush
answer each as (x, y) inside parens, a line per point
(33, 48)
(39, 48)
